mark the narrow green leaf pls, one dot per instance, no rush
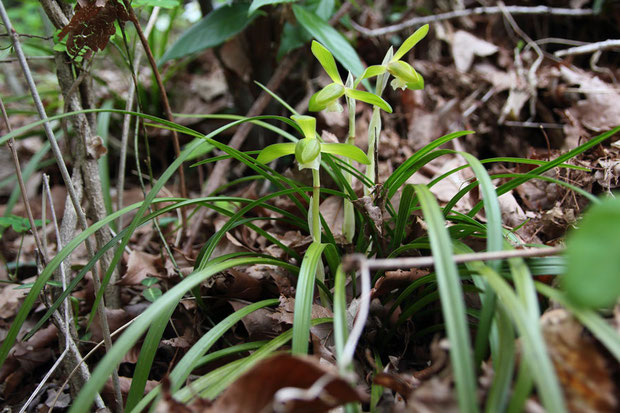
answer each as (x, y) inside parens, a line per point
(452, 301)
(326, 59)
(369, 98)
(127, 340)
(257, 4)
(147, 355)
(304, 296)
(411, 41)
(535, 351)
(214, 29)
(502, 189)
(341, 330)
(275, 151)
(346, 149)
(330, 38)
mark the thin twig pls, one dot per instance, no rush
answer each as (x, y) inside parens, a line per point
(589, 48)
(65, 176)
(531, 74)
(164, 96)
(120, 187)
(15, 59)
(86, 357)
(416, 262)
(419, 21)
(22, 185)
(32, 36)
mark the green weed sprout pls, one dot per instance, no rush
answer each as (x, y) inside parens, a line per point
(308, 155)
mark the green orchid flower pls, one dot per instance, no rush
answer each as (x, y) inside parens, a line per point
(308, 150)
(327, 98)
(405, 76)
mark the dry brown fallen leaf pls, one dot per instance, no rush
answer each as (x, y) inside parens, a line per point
(585, 372)
(289, 384)
(140, 266)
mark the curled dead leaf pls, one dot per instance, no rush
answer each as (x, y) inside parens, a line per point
(288, 384)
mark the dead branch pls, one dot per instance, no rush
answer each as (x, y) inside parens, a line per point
(164, 96)
(419, 21)
(589, 48)
(62, 166)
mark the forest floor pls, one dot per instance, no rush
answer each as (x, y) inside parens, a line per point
(515, 81)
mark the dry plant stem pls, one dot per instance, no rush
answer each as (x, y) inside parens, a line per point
(131, 94)
(220, 169)
(416, 262)
(87, 164)
(65, 175)
(82, 365)
(419, 21)
(22, 186)
(164, 97)
(74, 359)
(589, 48)
(365, 265)
(531, 74)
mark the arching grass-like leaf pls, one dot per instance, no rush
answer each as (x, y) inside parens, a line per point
(105, 367)
(304, 295)
(452, 301)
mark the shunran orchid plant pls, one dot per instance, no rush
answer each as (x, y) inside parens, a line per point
(308, 152)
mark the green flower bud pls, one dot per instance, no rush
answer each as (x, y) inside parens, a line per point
(405, 76)
(326, 98)
(308, 153)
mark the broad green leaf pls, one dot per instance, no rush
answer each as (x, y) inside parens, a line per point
(214, 29)
(165, 4)
(411, 41)
(326, 60)
(330, 38)
(345, 149)
(275, 151)
(257, 4)
(369, 98)
(593, 257)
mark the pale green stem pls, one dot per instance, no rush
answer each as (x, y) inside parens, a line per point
(374, 128)
(316, 215)
(316, 231)
(348, 223)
